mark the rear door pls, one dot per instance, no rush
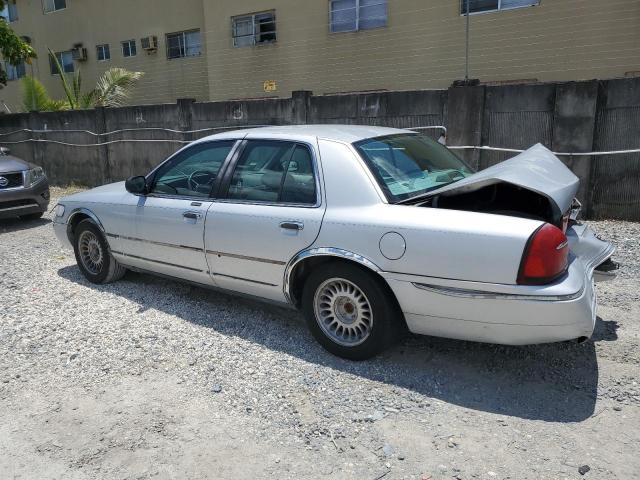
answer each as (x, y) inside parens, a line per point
(272, 209)
(169, 221)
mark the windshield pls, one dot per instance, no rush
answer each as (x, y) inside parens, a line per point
(409, 165)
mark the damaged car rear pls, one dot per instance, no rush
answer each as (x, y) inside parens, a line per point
(512, 263)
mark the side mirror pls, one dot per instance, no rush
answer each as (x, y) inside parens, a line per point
(136, 185)
(4, 151)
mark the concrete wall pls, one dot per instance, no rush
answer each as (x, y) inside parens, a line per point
(422, 46)
(567, 117)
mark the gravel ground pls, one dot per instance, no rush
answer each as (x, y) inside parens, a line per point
(149, 378)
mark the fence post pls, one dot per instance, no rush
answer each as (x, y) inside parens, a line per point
(301, 105)
(185, 117)
(35, 123)
(103, 151)
(465, 112)
(574, 121)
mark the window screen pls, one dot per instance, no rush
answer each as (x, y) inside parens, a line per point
(103, 52)
(183, 44)
(14, 72)
(10, 11)
(479, 6)
(53, 5)
(129, 48)
(65, 59)
(351, 15)
(254, 29)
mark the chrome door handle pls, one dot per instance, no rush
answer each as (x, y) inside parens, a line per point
(192, 215)
(291, 225)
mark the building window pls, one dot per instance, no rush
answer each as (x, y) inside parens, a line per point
(352, 15)
(14, 72)
(103, 52)
(65, 59)
(53, 5)
(10, 11)
(183, 44)
(129, 48)
(481, 6)
(256, 29)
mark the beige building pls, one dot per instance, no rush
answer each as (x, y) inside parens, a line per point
(223, 49)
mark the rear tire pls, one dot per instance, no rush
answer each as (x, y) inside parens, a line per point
(93, 256)
(349, 311)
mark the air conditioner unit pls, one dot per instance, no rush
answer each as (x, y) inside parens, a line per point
(79, 54)
(150, 44)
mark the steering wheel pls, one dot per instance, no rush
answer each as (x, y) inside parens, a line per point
(194, 184)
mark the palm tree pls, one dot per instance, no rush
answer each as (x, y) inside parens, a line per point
(36, 99)
(114, 87)
(112, 90)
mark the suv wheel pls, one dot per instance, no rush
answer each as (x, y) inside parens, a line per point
(93, 256)
(32, 216)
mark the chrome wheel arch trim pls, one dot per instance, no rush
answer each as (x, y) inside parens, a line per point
(322, 252)
(84, 211)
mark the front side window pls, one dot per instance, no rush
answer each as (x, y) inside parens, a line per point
(14, 72)
(53, 5)
(192, 172)
(480, 6)
(129, 48)
(408, 165)
(274, 172)
(103, 52)
(65, 59)
(10, 11)
(256, 29)
(352, 15)
(183, 44)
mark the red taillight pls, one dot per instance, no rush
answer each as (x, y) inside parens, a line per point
(546, 256)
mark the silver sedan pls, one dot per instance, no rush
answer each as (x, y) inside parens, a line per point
(367, 230)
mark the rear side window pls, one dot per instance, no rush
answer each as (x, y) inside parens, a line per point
(274, 172)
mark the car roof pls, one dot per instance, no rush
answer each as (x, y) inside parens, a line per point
(308, 133)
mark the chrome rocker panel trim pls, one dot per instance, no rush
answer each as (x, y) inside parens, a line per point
(480, 294)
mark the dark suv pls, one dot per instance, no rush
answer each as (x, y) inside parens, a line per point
(24, 188)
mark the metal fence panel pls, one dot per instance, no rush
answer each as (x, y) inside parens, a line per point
(518, 130)
(616, 178)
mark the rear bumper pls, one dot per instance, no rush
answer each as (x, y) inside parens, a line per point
(506, 314)
(496, 318)
(24, 201)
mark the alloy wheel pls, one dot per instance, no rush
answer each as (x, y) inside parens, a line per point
(343, 312)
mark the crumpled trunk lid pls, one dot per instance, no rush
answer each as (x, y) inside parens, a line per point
(536, 169)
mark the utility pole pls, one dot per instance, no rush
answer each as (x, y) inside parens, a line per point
(466, 63)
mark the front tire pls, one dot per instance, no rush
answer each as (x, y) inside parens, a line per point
(32, 216)
(349, 311)
(93, 256)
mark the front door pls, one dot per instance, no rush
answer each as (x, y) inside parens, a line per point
(169, 221)
(273, 209)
